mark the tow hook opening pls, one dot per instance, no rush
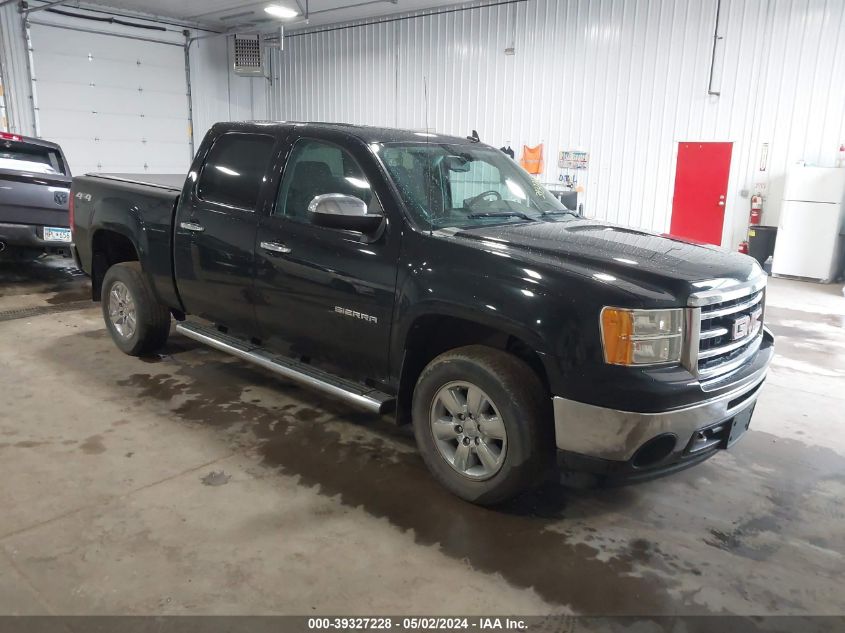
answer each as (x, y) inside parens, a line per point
(704, 439)
(654, 451)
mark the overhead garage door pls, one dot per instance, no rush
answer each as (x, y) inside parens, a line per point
(114, 104)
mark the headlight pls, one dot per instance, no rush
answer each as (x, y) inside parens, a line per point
(642, 337)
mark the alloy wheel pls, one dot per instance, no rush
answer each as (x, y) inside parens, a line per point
(122, 312)
(468, 430)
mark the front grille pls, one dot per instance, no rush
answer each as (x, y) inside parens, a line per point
(724, 341)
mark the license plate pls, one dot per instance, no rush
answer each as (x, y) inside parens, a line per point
(53, 234)
(740, 424)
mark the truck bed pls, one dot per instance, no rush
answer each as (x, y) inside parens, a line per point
(138, 207)
(164, 181)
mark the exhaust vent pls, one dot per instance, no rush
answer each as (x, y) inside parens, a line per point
(248, 59)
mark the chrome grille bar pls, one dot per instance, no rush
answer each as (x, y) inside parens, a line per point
(727, 349)
(733, 364)
(714, 333)
(722, 290)
(739, 307)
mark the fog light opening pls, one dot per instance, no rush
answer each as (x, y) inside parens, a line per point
(655, 450)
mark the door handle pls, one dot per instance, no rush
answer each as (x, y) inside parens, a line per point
(192, 226)
(275, 247)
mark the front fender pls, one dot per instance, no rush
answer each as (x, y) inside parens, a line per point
(443, 279)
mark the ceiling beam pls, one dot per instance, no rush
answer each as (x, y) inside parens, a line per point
(55, 3)
(305, 11)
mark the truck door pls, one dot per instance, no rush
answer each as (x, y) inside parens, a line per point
(215, 230)
(327, 293)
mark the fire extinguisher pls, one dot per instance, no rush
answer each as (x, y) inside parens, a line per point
(756, 208)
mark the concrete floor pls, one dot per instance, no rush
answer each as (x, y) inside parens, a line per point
(328, 511)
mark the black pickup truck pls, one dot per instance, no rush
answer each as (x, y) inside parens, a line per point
(431, 278)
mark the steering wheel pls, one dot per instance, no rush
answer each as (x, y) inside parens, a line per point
(482, 196)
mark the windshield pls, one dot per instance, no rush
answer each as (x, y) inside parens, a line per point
(465, 186)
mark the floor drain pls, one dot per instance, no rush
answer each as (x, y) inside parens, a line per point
(24, 313)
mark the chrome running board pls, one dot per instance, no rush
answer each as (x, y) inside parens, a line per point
(347, 390)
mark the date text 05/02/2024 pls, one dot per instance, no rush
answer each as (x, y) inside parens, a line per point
(417, 623)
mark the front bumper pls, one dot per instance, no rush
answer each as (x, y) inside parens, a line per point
(638, 445)
(30, 236)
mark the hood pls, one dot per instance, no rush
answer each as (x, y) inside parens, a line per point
(615, 250)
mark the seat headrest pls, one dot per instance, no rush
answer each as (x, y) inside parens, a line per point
(310, 170)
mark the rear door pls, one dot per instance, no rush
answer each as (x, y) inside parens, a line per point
(34, 184)
(326, 293)
(215, 230)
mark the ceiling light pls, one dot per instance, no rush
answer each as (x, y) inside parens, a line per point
(278, 11)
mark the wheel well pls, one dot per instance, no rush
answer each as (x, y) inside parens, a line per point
(107, 249)
(430, 336)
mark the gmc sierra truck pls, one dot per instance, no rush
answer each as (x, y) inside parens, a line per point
(34, 187)
(431, 278)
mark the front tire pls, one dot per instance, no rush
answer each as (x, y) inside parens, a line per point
(482, 422)
(137, 322)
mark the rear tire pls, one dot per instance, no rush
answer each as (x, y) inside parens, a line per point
(506, 446)
(137, 322)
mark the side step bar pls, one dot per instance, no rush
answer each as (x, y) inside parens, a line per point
(349, 391)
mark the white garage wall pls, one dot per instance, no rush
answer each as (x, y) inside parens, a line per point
(623, 79)
(65, 101)
(113, 104)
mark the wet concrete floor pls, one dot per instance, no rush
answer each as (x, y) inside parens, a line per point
(331, 511)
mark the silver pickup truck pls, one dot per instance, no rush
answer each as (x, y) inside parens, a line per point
(34, 192)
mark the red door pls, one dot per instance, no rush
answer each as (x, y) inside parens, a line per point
(701, 185)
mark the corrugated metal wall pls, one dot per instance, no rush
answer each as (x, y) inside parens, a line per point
(219, 94)
(624, 80)
(13, 64)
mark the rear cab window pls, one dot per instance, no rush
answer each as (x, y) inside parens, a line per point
(235, 169)
(18, 156)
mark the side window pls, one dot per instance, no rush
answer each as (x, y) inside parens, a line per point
(235, 168)
(315, 168)
(480, 177)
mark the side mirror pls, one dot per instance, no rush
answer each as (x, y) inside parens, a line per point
(339, 211)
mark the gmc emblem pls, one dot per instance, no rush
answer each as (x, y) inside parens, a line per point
(746, 325)
(741, 327)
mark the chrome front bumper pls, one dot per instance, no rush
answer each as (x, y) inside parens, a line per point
(609, 434)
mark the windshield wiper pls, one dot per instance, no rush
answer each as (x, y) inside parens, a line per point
(560, 212)
(501, 214)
